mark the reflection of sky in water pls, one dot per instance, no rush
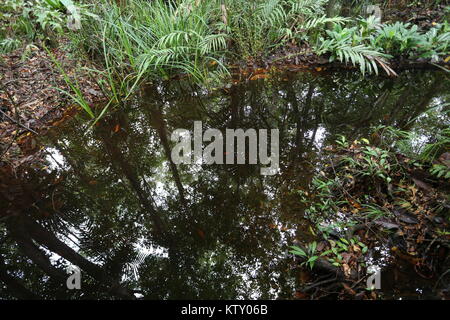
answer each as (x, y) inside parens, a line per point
(54, 159)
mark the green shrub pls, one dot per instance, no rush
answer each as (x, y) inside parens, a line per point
(28, 21)
(436, 42)
(398, 38)
(257, 27)
(348, 45)
(404, 39)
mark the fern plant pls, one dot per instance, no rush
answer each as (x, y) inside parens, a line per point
(9, 44)
(398, 38)
(436, 42)
(433, 150)
(259, 26)
(345, 46)
(440, 171)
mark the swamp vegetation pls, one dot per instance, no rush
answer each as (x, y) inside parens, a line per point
(91, 91)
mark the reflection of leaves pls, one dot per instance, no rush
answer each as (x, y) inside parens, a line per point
(133, 267)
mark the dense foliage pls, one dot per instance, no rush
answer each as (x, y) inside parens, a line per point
(160, 39)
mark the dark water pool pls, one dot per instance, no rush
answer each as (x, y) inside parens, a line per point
(112, 202)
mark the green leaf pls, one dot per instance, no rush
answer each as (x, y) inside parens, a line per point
(298, 251)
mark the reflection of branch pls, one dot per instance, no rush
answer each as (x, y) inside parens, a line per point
(320, 283)
(47, 239)
(440, 278)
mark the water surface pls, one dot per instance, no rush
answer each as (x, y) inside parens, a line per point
(197, 231)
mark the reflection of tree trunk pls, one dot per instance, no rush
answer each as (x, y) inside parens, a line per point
(298, 124)
(300, 116)
(23, 239)
(423, 103)
(378, 105)
(47, 239)
(316, 113)
(235, 105)
(160, 124)
(398, 105)
(13, 285)
(128, 171)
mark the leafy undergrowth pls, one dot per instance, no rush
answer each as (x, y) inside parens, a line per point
(369, 198)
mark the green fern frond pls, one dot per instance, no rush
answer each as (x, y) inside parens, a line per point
(321, 21)
(213, 42)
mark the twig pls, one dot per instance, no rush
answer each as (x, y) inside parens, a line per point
(16, 111)
(17, 122)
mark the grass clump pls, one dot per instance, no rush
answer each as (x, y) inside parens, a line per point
(157, 39)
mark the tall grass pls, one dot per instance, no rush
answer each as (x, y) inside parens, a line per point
(158, 39)
(76, 94)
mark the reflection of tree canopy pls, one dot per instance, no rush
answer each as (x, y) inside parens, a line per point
(114, 204)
